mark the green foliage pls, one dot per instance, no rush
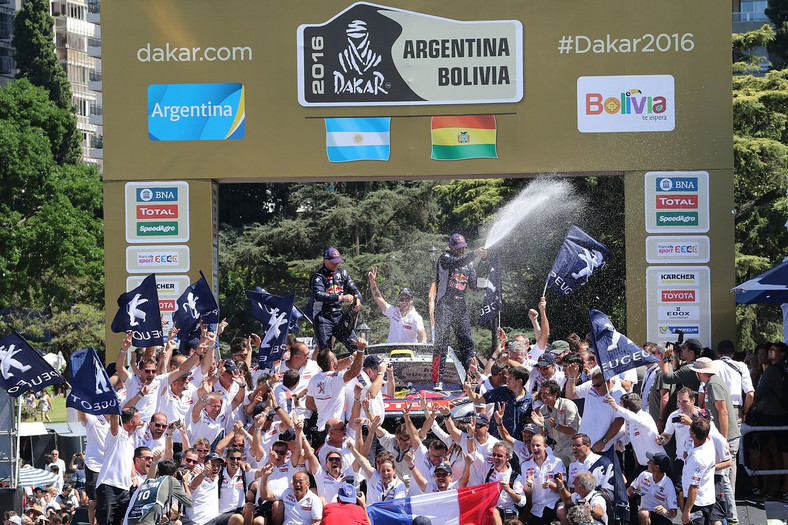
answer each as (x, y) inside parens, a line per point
(760, 147)
(744, 61)
(36, 61)
(51, 226)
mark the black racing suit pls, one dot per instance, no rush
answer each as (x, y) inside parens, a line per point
(325, 306)
(454, 274)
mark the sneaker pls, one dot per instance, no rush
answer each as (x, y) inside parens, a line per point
(438, 386)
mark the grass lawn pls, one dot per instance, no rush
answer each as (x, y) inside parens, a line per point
(58, 412)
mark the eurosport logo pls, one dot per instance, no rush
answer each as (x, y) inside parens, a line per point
(677, 184)
(196, 111)
(625, 103)
(678, 296)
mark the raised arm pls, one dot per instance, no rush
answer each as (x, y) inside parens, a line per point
(415, 439)
(362, 461)
(544, 335)
(415, 473)
(373, 288)
(265, 491)
(120, 362)
(572, 371)
(377, 384)
(498, 415)
(355, 367)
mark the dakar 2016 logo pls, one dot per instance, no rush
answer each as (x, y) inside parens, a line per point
(358, 61)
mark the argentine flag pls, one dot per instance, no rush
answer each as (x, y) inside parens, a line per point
(350, 139)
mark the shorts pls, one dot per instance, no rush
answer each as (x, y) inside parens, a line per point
(90, 483)
(224, 517)
(264, 508)
(720, 508)
(659, 519)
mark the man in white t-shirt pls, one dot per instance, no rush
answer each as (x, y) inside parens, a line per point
(697, 479)
(603, 426)
(114, 480)
(584, 458)
(301, 505)
(96, 428)
(405, 323)
(61, 465)
(326, 392)
(152, 436)
(372, 382)
(658, 504)
(640, 426)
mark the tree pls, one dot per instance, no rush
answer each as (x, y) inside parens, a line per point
(760, 146)
(51, 225)
(34, 53)
(777, 11)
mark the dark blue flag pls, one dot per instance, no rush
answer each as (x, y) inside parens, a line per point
(579, 257)
(275, 313)
(615, 352)
(22, 368)
(493, 302)
(607, 472)
(297, 316)
(91, 390)
(138, 312)
(195, 303)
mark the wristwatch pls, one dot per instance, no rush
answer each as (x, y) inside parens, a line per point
(605, 440)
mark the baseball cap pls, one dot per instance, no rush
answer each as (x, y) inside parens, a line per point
(213, 455)
(445, 466)
(661, 460)
(406, 291)
(372, 361)
(332, 254)
(559, 347)
(694, 345)
(530, 427)
(15, 519)
(346, 493)
(482, 419)
(457, 241)
(421, 520)
(545, 360)
(229, 366)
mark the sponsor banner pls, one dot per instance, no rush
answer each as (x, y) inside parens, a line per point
(157, 210)
(678, 298)
(679, 313)
(147, 259)
(625, 103)
(373, 55)
(677, 202)
(196, 111)
(677, 249)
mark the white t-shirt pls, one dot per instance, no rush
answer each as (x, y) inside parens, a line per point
(485, 450)
(347, 456)
(147, 404)
(593, 498)
(279, 480)
(603, 414)
(207, 427)
(682, 434)
(577, 466)
(118, 460)
(505, 501)
(177, 407)
(301, 512)
(96, 428)
(377, 492)
(328, 391)
(536, 379)
(699, 470)
(642, 433)
(737, 380)
(327, 486)
(654, 494)
(232, 495)
(376, 406)
(206, 501)
(722, 449)
(144, 438)
(403, 329)
(543, 497)
(305, 373)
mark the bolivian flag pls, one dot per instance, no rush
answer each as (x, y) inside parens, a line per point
(463, 137)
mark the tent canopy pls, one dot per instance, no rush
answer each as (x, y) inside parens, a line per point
(769, 287)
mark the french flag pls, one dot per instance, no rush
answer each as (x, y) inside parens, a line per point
(465, 506)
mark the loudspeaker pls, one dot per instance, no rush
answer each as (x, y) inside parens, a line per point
(80, 516)
(11, 499)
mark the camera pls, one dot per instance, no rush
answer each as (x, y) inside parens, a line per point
(676, 419)
(678, 342)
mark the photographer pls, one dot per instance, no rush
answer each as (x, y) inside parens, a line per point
(149, 502)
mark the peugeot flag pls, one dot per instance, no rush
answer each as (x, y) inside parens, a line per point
(275, 313)
(615, 352)
(91, 390)
(607, 472)
(493, 302)
(138, 312)
(579, 257)
(22, 368)
(195, 303)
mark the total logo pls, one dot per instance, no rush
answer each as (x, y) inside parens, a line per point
(155, 211)
(677, 202)
(625, 103)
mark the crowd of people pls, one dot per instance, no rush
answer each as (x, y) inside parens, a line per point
(207, 441)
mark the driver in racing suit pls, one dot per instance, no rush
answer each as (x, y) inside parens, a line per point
(332, 286)
(454, 272)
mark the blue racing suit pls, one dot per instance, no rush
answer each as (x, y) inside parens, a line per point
(325, 306)
(454, 274)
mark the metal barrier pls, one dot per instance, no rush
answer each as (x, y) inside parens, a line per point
(746, 429)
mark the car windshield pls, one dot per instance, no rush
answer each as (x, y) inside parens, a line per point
(413, 366)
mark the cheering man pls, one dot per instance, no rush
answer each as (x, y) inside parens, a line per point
(332, 286)
(406, 325)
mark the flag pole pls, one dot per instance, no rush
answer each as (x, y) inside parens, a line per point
(545, 289)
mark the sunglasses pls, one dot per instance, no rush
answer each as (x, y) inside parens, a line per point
(335, 460)
(146, 458)
(597, 385)
(441, 474)
(160, 425)
(341, 429)
(498, 455)
(202, 450)
(404, 299)
(187, 460)
(280, 452)
(234, 458)
(150, 371)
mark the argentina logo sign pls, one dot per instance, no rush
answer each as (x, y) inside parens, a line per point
(373, 55)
